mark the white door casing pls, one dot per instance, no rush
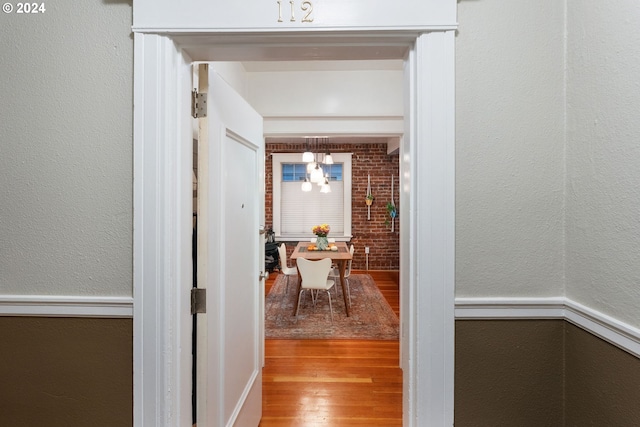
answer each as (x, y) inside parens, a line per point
(162, 228)
(162, 221)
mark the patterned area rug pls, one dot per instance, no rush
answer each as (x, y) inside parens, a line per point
(371, 316)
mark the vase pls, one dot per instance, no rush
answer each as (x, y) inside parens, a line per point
(322, 243)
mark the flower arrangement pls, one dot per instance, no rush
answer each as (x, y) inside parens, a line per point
(321, 230)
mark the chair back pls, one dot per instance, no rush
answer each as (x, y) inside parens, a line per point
(314, 274)
(347, 270)
(282, 252)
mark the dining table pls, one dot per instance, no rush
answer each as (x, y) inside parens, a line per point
(340, 256)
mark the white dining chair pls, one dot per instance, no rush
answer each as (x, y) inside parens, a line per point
(314, 277)
(284, 268)
(335, 273)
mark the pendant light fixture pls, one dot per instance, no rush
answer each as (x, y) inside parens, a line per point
(314, 164)
(311, 166)
(325, 188)
(316, 175)
(307, 156)
(328, 160)
(306, 185)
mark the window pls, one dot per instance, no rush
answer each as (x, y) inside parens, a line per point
(296, 211)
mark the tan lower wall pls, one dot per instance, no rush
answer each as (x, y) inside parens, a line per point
(542, 373)
(508, 373)
(66, 372)
(602, 382)
(77, 372)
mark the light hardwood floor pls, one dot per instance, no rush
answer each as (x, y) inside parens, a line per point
(314, 383)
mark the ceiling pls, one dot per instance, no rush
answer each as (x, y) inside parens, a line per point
(323, 65)
(333, 48)
(280, 54)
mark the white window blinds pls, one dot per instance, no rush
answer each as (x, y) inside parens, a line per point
(302, 210)
(296, 211)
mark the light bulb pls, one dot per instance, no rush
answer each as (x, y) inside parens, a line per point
(307, 157)
(328, 160)
(316, 175)
(325, 187)
(306, 185)
(311, 166)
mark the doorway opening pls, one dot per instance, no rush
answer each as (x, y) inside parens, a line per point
(375, 155)
(162, 172)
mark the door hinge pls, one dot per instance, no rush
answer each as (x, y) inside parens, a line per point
(198, 300)
(198, 104)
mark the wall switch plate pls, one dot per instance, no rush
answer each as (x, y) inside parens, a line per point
(366, 249)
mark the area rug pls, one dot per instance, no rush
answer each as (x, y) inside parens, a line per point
(371, 316)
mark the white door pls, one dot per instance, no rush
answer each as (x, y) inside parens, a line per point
(231, 212)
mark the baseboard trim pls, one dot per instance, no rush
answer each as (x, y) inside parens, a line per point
(66, 306)
(601, 325)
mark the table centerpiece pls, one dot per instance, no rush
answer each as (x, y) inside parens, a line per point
(321, 231)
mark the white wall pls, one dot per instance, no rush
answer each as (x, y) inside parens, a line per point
(66, 150)
(327, 93)
(509, 148)
(343, 101)
(603, 153)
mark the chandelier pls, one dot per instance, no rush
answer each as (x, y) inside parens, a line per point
(314, 161)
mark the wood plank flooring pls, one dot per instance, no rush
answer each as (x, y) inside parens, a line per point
(319, 383)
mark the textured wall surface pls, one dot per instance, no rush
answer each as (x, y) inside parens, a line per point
(367, 159)
(66, 212)
(509, 373)
(66, 150)
(602, 382)
(66, 372)
(509, 148)
(603, 157)
(542, 373)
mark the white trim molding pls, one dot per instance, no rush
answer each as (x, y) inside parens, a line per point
(163, 227)
(601, 325)
(606, 327)
(427, 248)
(162, 217)
(510, 308)
(66, 306)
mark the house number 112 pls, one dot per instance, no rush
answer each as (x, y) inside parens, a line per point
(306, 7)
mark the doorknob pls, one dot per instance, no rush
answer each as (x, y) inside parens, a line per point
(263, 276)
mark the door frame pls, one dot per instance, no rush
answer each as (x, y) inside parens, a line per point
(163, 226)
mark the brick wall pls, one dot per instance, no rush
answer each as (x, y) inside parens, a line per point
(384, 245)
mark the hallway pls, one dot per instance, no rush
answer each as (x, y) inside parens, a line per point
(334, 382)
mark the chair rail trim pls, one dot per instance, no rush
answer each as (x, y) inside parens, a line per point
(66, 306)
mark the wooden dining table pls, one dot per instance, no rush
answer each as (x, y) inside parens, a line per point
(340, 257)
